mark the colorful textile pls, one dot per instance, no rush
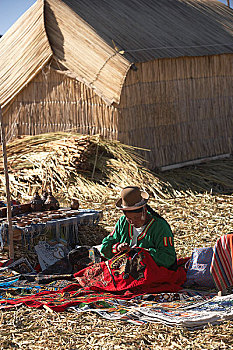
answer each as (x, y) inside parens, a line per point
(198, 271)
(125, 276)
(134, 271)
(187, 308)
(157, 237)
(222, 266)
(14, 284)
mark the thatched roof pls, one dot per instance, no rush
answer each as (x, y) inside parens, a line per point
(83, 52)
(149, 29)
(24, 50)
(82, 36)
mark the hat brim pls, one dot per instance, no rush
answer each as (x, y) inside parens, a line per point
(145, 198)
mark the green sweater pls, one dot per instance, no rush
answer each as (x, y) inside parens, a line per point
(157, 237)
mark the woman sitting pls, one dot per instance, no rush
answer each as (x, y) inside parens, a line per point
(141, 227)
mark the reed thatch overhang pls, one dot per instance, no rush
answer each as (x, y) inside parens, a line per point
(52, 29)
(83, 51)
(24, 51)
(97, 41)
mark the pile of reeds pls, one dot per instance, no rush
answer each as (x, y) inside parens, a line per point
(213, 176)
(90, 167)
(73, 165)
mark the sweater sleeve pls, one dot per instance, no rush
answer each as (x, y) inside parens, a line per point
(163, 251)
(110, 243)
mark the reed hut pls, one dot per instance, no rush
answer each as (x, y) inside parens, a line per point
(154, 74)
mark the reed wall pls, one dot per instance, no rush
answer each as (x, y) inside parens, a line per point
(179, 108)
(56, 102)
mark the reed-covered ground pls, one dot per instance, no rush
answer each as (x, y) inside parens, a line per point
(196, 201)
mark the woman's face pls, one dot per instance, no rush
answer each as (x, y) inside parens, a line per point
(135, 219)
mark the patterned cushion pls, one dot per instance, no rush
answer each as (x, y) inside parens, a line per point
(198, 272)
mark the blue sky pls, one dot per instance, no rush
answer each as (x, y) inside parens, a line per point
(11, 10)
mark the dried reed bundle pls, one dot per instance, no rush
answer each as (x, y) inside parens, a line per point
(74, 165)
(90, 167)
(214, 176)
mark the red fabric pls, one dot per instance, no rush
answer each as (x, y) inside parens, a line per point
(141, 274)
(124, 276)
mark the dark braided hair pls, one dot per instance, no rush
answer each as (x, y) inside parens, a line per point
(152, 212)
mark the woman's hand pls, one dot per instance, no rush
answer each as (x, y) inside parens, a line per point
(123, 247)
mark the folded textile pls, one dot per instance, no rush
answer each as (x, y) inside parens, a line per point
(213, 311)
(188, 308)
(48, 254)
(198, 271)
(222, 262)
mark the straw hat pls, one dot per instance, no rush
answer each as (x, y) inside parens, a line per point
(132, 198)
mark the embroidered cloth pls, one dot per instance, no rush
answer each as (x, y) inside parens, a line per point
(125, 276)
(183, 309)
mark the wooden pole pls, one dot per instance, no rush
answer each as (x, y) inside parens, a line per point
(228, 3)
(9, 216)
